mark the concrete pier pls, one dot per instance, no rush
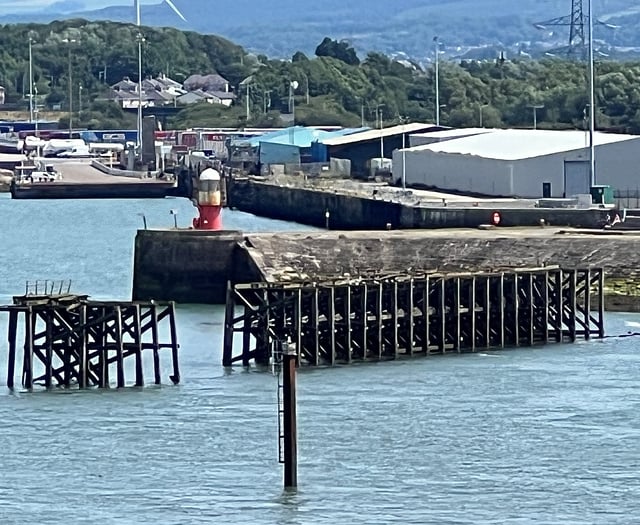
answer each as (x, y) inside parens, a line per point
(194, 267)
(359, 206)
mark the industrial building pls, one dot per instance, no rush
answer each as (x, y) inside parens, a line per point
(360, 148)
(523, 163)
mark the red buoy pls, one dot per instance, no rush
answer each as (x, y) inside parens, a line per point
(209, 202)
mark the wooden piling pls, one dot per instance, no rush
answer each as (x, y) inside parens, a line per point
(11, 359)
(175, 378)
(397, 315)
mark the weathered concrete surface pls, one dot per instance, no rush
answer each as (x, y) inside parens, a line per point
(188, 266)
(194, 267)
(310, 256)
(351, 210)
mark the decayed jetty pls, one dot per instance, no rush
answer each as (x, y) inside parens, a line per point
(71, 341)
(388, 317)
(194, 267)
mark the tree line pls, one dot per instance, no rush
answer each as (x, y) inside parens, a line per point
(333, 87)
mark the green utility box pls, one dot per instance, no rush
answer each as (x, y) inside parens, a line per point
(602, 194)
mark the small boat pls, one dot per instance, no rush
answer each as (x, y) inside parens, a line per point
(11, 142)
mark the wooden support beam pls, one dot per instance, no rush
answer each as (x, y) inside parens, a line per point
(83, 364)
(11, 358)
(157, 375)
(173, 331)
(227, 352)
(48, 356)
(119, 348)
(348, 334)
(138, 346)
(394, 319)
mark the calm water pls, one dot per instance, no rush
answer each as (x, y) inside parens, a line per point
(550, 435)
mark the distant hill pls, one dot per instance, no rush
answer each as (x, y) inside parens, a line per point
(281, 27)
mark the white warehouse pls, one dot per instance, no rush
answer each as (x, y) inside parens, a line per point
(523, 163)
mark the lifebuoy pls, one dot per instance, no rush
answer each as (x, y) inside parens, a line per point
(496, 218)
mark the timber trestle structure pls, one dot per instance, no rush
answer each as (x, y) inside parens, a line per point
(380, 318)
(70, 341)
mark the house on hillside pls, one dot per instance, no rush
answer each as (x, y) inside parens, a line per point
(209, 83)
(159, 91)
(214, 97)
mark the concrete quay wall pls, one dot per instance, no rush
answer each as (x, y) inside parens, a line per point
(187, 266)
(353, 212)
(193, 267)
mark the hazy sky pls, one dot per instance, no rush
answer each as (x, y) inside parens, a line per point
(21, 6)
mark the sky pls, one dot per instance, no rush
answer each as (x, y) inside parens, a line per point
(20, 6)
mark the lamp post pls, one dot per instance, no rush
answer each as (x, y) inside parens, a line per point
(592, 101)
(140, 39)
(437, 77)
(379, 112)
(70, 41)
(30, 79)
(248, 102)
(404, 160)
(535, 114)
(266, 95)
(80, 88)
(293, 85)
(306, 79)
(481, 107)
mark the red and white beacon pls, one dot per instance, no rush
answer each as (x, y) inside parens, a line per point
(208, 200)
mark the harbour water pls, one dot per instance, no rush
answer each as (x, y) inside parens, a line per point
(544, 435)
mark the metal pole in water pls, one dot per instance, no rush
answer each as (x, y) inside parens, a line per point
(289, 358)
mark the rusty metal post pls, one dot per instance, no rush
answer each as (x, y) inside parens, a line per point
(289, 358)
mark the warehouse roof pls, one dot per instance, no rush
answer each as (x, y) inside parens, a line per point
(516, 144)
(375, 134)
(300, 136)
(453, 133)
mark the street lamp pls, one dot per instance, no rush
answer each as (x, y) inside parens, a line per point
(379, 112)
(306, 78)
(80, 88)
(30, 78)
(592, 101)
(293, 85)
(481, 107)
(535, 114)
(437, 78)
(266, 95)
(248, 101)
(70, 41)
(140, 39)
